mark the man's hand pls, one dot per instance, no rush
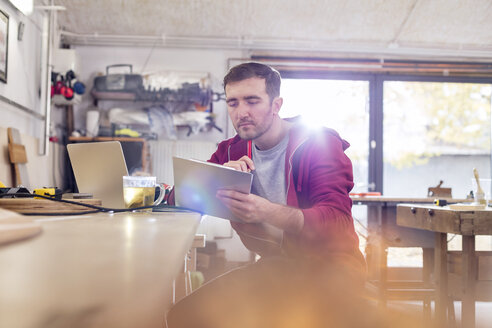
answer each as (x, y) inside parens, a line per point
(248, 207)
(244, 164)
(251, 208)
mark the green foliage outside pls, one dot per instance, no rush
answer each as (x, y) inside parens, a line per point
(431, 119)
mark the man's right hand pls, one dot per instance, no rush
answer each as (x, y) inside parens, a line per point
(244, 164)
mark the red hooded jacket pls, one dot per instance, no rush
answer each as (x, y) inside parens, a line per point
(319, 178)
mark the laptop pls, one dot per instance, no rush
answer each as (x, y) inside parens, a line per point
(196, 183)
(99, 168)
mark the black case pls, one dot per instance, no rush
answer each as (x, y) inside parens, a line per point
(118, 82)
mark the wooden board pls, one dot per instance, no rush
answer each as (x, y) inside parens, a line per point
(445, 219)
(14, 227)
(18, 158)
(368, 200)
(467, 207)
(29, 205)
(17, 153)
(428, 218)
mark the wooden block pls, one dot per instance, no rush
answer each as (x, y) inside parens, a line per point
(198, 241)
(17, 154)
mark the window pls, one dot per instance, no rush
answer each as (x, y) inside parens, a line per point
(435, 131)
(338, 104)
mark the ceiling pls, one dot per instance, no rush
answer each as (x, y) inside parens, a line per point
(454, 29)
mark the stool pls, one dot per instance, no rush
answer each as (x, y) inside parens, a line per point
(182, 285)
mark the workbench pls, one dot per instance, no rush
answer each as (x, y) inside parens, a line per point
(466, 275)
(383, 232)
(98, 270)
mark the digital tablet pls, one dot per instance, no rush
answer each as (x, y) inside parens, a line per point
(196, 183)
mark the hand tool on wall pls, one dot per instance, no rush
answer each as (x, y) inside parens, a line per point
(439, 191)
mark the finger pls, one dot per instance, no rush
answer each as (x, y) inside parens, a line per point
(227, 193)
(249, 162)
(231, 198)
(233, 165)
(237, 165)
(244, 166)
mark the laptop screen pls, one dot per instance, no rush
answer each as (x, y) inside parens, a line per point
(99, 168)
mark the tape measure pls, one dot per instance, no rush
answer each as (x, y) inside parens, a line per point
(440, 202)
(52, 192)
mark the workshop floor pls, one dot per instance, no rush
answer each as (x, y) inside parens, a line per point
(483, 313)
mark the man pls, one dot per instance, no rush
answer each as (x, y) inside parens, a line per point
(298, 218)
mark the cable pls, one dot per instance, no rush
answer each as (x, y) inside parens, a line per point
(96, 209)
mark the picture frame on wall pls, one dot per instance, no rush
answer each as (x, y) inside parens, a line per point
(4, 42)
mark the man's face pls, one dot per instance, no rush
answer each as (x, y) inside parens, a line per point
(249, 107)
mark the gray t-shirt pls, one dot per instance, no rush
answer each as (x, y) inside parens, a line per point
(269, 174)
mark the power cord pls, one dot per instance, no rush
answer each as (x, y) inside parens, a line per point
(96, 209)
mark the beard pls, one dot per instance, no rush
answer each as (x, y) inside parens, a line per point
(254, 129)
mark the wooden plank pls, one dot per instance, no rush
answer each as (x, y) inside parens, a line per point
(17, 153)
(440, 278)
(484, 264)
(469, 277)
(428, 218)
(466, 207)
(434, 218)
(400, 200)
(483, 289)
(29, 205)
(18, 158)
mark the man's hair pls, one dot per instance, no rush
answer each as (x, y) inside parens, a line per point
(248, 70)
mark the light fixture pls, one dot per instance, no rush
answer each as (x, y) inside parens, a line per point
(25, 6)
